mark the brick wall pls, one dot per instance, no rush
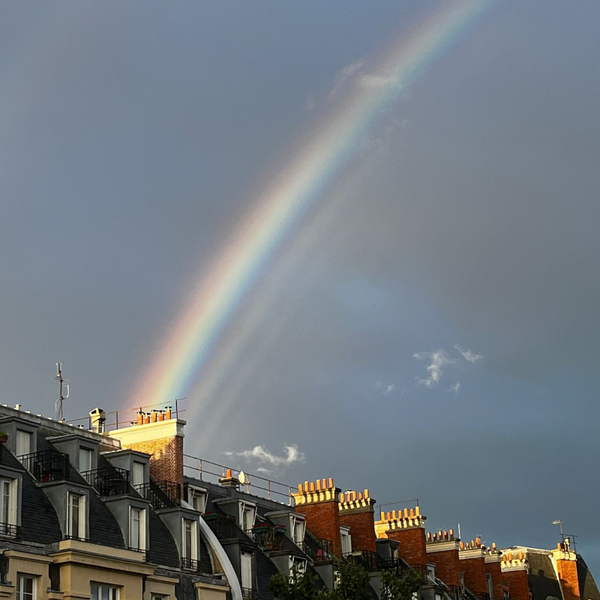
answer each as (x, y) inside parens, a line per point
(447, 566)
(412, 544)
(323, 521)
(569, 581)
(362, 528)
(495, 570)
(518, 582)
(474, 569)
(167, 457)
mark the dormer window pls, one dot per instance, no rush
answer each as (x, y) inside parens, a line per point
(431, 572)
(137, 528)
(346, 540)
(298, 526)
(247, 516)
(197, 498)
(138, 473)
(8, 506)
(86, 459)
(76, 515)
(189, 546)
(24, 442)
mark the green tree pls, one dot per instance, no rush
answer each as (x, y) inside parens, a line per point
(352, 583)
(300, 586)
(399, 587)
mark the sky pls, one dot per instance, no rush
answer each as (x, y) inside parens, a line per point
(429, 329)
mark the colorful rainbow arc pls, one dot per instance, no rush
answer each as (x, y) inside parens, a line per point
(197, 332)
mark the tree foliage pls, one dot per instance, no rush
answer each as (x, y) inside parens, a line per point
(399, 587)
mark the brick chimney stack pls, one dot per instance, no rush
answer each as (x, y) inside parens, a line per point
(566, 567)
(442, 550)
(515, 572)
(319, 502)
(161, 435)
(357, 512)
(408, 528)
(493, 560)
(472, 557)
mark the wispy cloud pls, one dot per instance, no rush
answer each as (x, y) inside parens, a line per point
(263, 457)
(386, 389)
(469, 355)
(440, 361)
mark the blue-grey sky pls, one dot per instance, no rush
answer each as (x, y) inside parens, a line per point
(433, 335)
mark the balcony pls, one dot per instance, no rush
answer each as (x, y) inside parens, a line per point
(318, 550)
(190, 564)
(47, 465)
(223, 526)
(10, 530)
(162, 494)
(268, 537)
(108, 481)
(249, 594)
(367, 560)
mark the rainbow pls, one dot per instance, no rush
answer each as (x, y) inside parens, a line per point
(196, 334)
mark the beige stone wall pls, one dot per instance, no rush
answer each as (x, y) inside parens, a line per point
(207, 591)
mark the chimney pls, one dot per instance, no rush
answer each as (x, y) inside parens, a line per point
(493, 569)
(442, 550)
(408, 528)
(472, 557)
(162, 438)
(97, 420)
(319, 502)
(357, 512)
(566, 569)
(515, 572)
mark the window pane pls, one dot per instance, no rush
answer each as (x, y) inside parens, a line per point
(95, 593)
(23, 442)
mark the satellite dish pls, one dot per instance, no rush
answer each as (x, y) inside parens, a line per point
(242, 477)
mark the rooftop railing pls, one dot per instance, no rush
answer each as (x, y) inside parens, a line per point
(10, 530)
(267, 536)
(190, 564)
(47, 465)
(366, 560)
(211, 472)
(223, 526)
(318, 550)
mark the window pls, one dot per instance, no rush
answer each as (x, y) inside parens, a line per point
(23, 442)
(248, 514)
(197, 498)
(25, 587)
(85, 459)
(246, 566)
(346, 540)
(490, 589)
(298, 529)
(8, 506)
(462, 581)
(104, 592)
(137, 473)
(137, 528)
(431, 572)
(190, 539)
(76, 515)
(158, 597)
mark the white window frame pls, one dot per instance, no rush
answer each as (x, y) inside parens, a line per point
(298, 526)
(299, 564)
(489, 584)
(82, 516)
(197, 498)
(21, 593)
(247, 516)
(9, 495)
(87, 463)
(246, 573)
(141, 524)
(346, 540)
(431, 572)
(113, 591)
(194, 541)
(20, 437)
(138, 468)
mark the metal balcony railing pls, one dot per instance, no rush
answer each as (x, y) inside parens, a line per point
(190, 564)
(249, 594)
(268, 537)
(318, 550)
(223, 526)
(47, 465)
(162, 494)
(10, 530)
(366, 560)
(108, 481)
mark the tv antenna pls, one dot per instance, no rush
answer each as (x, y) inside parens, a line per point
(63, 393)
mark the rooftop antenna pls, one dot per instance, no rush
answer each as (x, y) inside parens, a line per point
(63, 393)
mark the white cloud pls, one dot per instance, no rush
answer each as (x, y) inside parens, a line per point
(385, 389)
(264, 457)
(438, 359)
(346, 73)
(375, 81)
(468, 355)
